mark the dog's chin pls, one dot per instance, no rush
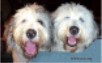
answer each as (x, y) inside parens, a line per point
(29, 55)
(30, 49)
(71, 43)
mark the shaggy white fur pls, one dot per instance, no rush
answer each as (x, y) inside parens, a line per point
(28, 32)
(69, 15)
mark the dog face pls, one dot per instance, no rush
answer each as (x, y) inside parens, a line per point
(29, 29)
(74, 26)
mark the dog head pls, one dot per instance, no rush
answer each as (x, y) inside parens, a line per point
(28, 30)
(74, 26)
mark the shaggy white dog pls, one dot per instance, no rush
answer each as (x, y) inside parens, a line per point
(74, 28)
(28, 32)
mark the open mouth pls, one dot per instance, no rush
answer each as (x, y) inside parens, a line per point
(71, 41)
(30, 49)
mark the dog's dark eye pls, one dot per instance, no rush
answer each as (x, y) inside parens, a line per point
(67, 17)
(23, 21)
(82, 20)
(41, 22)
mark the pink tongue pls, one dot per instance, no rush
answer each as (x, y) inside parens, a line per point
(72, 40)
(30, 48)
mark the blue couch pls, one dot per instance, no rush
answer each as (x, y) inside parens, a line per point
(91, 54)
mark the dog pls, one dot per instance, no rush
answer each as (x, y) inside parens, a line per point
(74, 28)
(28, 32)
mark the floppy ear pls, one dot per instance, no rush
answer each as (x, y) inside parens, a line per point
(8, 34)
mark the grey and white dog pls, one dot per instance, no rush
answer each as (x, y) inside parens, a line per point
(74, 28)
(28, 32)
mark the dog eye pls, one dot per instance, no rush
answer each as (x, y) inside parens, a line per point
(23, 21)
(41, 22)
(67, 17)
(81, 19)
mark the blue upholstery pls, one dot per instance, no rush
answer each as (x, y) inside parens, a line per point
(91, 54)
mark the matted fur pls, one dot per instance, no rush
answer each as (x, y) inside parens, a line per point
(24, 19)
(68, 15)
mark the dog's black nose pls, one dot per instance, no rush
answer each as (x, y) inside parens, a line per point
(31, 33)
(74, 30)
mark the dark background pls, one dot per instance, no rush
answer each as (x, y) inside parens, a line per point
(8, 8)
